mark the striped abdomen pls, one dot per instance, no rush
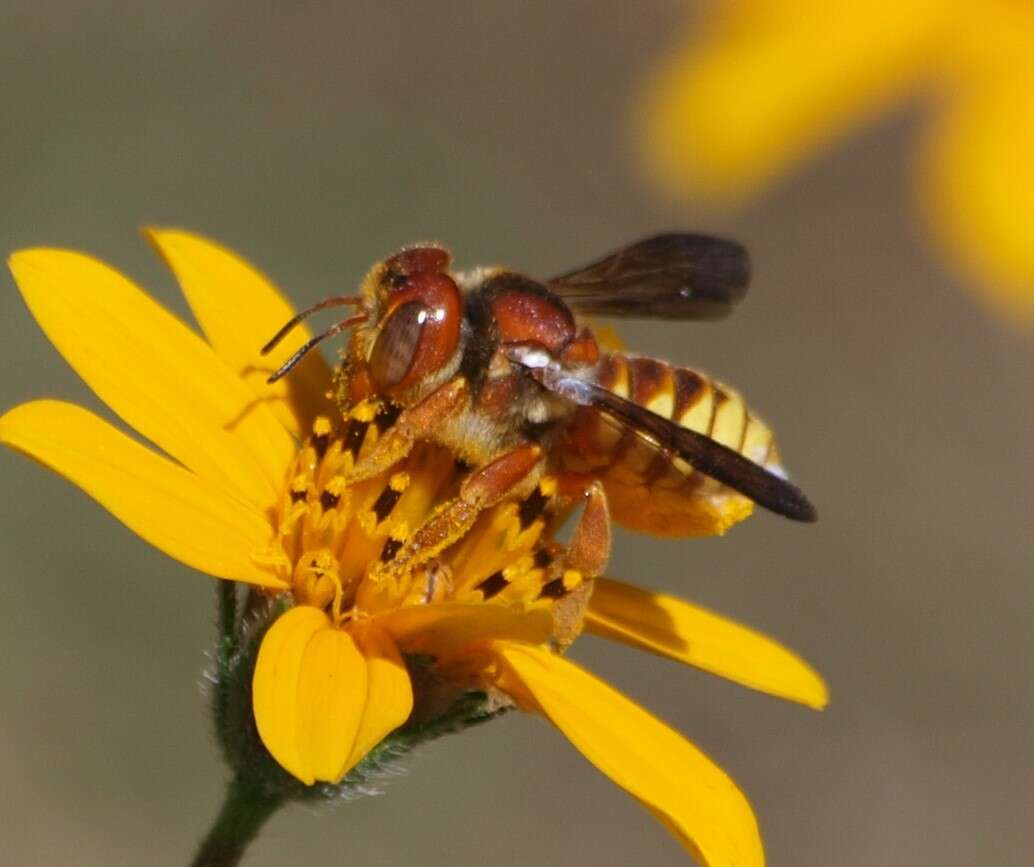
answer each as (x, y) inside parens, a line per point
(648, 488)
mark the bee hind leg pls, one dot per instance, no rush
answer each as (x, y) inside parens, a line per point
(589, 549)
(584, 559)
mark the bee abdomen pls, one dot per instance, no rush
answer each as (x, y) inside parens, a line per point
(649, 487)
(690, 399)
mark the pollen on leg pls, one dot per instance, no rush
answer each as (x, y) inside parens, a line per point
(340, 540)
(505, 534)
(331, 533)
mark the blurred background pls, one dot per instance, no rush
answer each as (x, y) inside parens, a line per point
(315, 138)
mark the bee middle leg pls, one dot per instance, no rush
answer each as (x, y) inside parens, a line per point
(482, 489)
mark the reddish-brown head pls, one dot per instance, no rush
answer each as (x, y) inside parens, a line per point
(420, 327)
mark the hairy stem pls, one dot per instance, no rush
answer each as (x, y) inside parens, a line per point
(245, 810)
(226, 647)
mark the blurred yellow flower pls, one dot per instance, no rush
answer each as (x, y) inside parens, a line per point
(252, 488)
(765, 84)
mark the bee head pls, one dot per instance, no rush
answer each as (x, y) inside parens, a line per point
(418, 331)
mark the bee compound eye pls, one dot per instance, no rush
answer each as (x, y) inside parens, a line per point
(421, 331)
(398, 345)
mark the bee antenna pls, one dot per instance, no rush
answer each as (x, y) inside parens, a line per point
(336, 301)
(301, 353)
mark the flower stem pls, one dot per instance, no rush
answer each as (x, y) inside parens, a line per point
(245, 810)
(226, 647)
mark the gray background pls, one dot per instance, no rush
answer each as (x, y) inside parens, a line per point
(314, 138)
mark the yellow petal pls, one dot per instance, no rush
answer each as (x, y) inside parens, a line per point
(770, 82)
(448, 628)
(239, 309)
(690, 795)
(688, 633)
(389, 694)
(191, 519)
(309, 694)
(977, 166)
(331, 702)
(274, 687)
(159, 376)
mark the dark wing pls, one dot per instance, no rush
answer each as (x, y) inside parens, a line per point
(702, 453)
(675, 276)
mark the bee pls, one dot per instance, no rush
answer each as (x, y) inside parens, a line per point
(496, 367)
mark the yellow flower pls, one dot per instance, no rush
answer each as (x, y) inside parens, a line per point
(768, 83)
(245, 493)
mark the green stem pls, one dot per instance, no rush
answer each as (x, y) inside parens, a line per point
(244, 812)
(226, 647)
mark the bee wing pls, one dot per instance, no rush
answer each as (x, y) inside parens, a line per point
(672, 276)
(702, 453)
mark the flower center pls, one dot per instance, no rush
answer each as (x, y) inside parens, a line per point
(339, 538)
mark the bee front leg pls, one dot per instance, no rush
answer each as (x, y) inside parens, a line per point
(415, 423)
(482, 489)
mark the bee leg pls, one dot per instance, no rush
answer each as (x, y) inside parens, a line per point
(413, 424)
(589, 549)
(482, 489)
(587, 555)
